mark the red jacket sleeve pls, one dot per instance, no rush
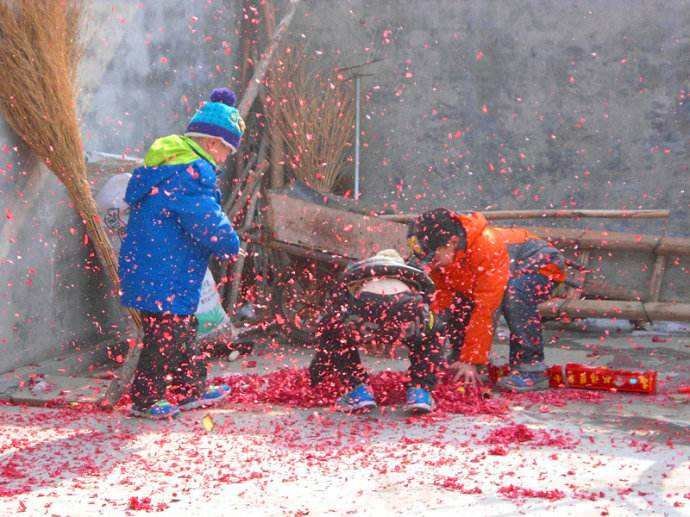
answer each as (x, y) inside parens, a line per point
(492, 270)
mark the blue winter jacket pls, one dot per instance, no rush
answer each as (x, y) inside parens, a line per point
(175, 224)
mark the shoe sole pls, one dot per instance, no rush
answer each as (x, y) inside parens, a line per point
(361, 406)
(199, 403)
(143, 414)
(539, 386)
(419, 408)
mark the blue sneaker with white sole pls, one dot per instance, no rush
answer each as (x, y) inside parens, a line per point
(521, 382)
(419, 400)
(211, 396)
(158, 411)
(358, 399)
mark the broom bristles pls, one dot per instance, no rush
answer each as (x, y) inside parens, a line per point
(314, 115)
(39, 53)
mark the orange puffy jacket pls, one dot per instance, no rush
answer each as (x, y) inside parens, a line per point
(480, 273)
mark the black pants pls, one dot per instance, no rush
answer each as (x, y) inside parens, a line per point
(351, 322)
(170, 357)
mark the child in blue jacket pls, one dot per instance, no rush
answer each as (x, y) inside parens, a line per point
(175, 224)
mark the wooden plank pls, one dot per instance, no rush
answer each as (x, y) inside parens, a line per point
(617, 309)
(657, 278)
(60, 389)
(584, 239)
(330, 230)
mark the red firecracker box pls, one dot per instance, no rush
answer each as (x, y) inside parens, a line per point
(556, 377)
(603, 378)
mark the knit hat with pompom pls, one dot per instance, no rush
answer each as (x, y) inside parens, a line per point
(219, 118)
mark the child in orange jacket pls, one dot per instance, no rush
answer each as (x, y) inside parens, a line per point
(479, 269)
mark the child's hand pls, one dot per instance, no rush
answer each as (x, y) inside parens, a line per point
(465, 372)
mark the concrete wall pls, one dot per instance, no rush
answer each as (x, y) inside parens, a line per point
(476, 104)
(520, 104)
(172, 55)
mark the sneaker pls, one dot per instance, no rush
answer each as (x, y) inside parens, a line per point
(158, 411)
(523, 381)
(359, 398)
(211, 396)
(419, 400)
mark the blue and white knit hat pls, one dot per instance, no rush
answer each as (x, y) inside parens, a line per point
(219, 118)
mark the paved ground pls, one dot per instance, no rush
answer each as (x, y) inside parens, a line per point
(567, 452)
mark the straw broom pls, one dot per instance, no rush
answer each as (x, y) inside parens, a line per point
(314, 115)
(39, 53)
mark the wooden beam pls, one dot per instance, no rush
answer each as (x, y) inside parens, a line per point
(657, 278)
(241, 259)
(575, 214)
(590, 239)
(277, 150)
(497, 215)
(238, 196)
(252, 89)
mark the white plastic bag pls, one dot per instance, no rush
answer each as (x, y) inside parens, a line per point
(115, 213)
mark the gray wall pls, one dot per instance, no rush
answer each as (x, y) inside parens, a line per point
(584, 106)
(172, 55)
(584, 101)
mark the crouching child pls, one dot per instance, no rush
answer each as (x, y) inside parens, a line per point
(478, 270)
(384, 300)
(176, 223)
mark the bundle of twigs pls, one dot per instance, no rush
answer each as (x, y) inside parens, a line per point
(39, 53)
(313, 112)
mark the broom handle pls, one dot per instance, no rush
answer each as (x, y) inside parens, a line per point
(107, 257)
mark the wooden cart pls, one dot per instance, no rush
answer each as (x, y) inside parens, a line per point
(320, 237)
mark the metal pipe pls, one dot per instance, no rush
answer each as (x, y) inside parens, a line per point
(357, 86)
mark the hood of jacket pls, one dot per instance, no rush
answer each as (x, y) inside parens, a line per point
(474, 224)
(162, 161)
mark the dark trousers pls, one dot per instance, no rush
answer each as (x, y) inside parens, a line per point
(520, 308)
(170, 357)
(352, 322)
